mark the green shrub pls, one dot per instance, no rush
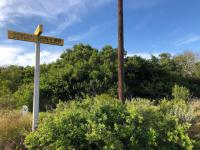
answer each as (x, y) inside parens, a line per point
(104, 123)
(179, 109)
(7, 102)
(180, 92)
(24, 96)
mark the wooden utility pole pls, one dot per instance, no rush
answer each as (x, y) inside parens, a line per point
(120, 52)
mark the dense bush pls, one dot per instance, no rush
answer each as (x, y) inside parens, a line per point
(105, 123)
(184, 112)
(7, 102)
(180, 92)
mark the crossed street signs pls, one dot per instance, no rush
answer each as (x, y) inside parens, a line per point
(34, 38)
(37, 39)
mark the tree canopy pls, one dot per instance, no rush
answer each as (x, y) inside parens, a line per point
(85, 71)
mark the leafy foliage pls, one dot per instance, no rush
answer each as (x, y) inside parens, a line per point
(180, 92)
(179, 109)
(85, 71)
(105, 123)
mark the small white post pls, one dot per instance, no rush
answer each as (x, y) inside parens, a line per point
(24, 110)
(36, 87)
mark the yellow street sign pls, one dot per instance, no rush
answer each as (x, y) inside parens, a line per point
(51, 40)
(39, 30)
(33, 38)
(21, 36)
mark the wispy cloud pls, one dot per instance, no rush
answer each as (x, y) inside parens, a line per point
(18, 56)
(59, 14)
(142, 4)
(64, 24)
(188, 40)
(87, 34)
(62, 12)
(145, 55)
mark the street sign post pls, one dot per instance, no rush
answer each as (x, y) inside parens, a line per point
(37, 39)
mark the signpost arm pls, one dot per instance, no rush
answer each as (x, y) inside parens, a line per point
(36, 87)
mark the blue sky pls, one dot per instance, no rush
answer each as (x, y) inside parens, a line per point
(151, 26)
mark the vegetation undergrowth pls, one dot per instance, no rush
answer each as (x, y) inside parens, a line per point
(104, 123)
(83, 70)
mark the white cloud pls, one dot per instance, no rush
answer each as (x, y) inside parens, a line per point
(144, 55)
(188, 40)
(48, 57)
(8, 54)
(62, 12)
(18, 56)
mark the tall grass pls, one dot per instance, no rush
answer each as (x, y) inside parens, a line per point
(13, 128)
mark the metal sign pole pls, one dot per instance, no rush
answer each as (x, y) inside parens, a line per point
(36, 38)
(36, 87)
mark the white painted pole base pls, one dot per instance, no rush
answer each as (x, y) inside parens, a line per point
(36, 88)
